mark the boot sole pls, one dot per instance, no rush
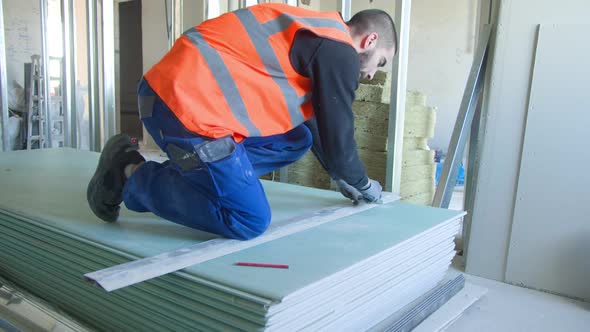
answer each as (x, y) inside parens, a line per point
(106, 212)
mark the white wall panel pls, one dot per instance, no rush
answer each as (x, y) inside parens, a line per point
(506, 102)
(550, 238)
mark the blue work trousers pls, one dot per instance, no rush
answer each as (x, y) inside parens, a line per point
(223, 197)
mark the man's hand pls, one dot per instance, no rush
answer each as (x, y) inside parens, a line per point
(349, 191)
(372, 191)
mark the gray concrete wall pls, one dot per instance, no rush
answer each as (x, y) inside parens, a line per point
(22, 28)
(154, 43)
(442, 36)
(153, 24)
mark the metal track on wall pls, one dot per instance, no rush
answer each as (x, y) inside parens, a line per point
(463, 125)
(3, 85)
(397, 103)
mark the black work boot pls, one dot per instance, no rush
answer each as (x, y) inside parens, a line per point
(105, 190)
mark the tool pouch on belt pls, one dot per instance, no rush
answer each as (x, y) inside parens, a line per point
(221, 163)
(186, 160)
(203, 152)
(218, 149)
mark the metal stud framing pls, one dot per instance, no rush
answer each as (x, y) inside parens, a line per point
(344, 7)
(473, 89)
(70, 137)
(397, 103)
(3, 85)
(47, 127)
(93, 90)
(108, 70)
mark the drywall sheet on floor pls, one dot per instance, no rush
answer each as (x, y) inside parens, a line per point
(53, 193)
(366, 265)
(551, 228)
(51, 185)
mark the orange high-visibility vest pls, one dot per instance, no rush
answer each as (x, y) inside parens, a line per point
(232, 75)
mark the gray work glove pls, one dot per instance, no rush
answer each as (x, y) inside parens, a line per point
(349, 191)
(372, 191)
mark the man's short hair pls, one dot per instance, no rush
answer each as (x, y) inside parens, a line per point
(376, 20)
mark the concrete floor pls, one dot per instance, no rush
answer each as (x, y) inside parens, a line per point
(510, 308)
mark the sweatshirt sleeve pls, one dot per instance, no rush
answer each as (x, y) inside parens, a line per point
(334, 70)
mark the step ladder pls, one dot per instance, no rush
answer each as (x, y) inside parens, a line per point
(36, 111)
(56, 103)
(43, 129)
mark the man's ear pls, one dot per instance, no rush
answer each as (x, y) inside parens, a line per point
(369, 41)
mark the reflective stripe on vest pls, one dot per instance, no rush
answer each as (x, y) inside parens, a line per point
(259, 35)
(224, 80)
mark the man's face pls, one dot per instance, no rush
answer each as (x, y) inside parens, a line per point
(373, 59)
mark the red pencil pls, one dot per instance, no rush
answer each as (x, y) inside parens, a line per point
(274, 266)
